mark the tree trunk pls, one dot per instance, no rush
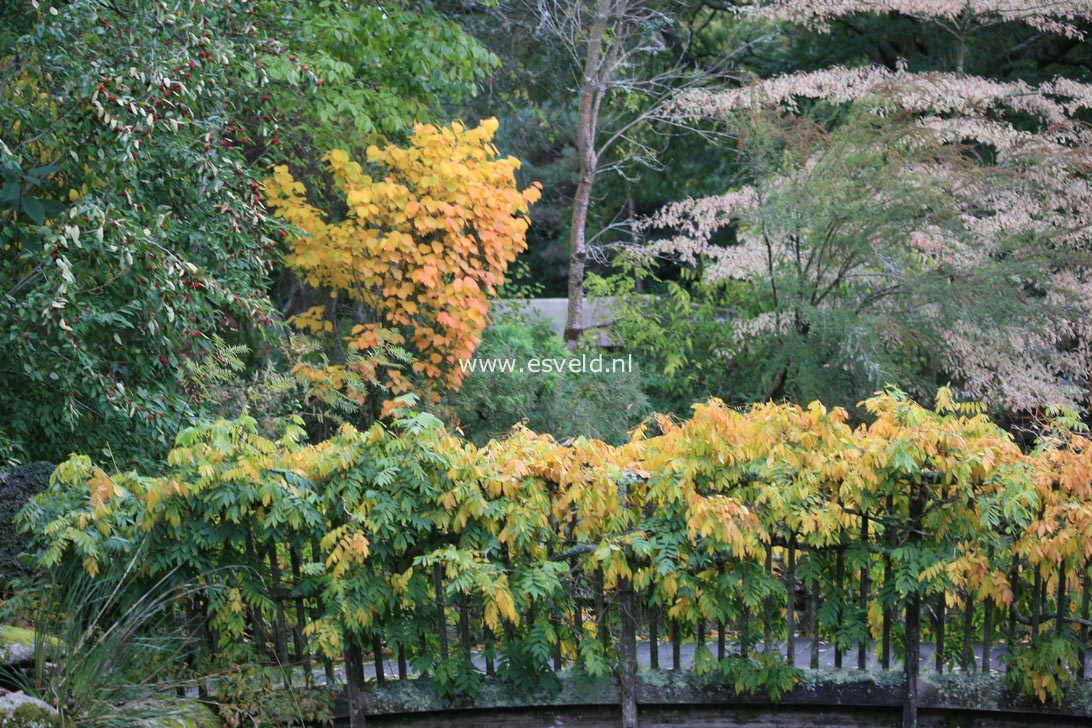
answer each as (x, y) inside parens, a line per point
(591, 90)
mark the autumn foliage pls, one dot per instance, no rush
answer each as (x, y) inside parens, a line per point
(422, 246)
(713, 520)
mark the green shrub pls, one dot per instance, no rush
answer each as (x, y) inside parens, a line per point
(260, 696)
(681, 338)
(562, 403)
(759, 672)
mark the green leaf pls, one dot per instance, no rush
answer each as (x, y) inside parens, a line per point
(32, 206)
(9, 195)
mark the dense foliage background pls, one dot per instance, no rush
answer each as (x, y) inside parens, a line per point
(139, 248)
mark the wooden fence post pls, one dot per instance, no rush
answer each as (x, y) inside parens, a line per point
(303, 653)
(490, 645)
(627, 653)
(354, 682)
(1036, 601)
(839, 589)
(744, 630)
(555, 622)
(1082, 651)
(654, 636)
(1014, 577)
(767, 623)
(676, 646)
(790, 598)
(377, 656)
(280, 630)
(967, 663)
(987, 622)
(888, 575)
(862, 644)
(987, 633)
(813, 621)
(1060, 600)
(441, 610)
(464, 623)
(913, 616)
(938, 626)
(601, 618)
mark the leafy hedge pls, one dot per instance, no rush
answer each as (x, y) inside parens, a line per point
(772, 520)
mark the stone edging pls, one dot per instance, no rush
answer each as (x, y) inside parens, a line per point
(820, 689)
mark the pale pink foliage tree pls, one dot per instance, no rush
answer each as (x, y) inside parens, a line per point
(1053, 16)
(1019, 182)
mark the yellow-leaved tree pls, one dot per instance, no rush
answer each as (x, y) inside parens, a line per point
(421, 247)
